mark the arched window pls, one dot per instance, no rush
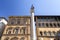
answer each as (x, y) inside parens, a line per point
(15, 38)
(51, 25)
(49, 32)
(23, 30)
(41, 33)
(45, 33)
(54, 33)
(16, 30)
(8, 31)
(7, 38)
(22, 38)
(54, 24)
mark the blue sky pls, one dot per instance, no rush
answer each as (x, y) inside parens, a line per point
(22, 7)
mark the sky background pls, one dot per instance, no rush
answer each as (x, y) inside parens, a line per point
(22, 7)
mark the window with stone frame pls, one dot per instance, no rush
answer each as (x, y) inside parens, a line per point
(54, 33)
(49, 32)
(8, 31)
(51, 25)
(43, 24)
(39, 24)
(41, 33)
(13, 21)
(16, 30)
(45, 33)
(54, 24)
(47, 25)
(23, 30)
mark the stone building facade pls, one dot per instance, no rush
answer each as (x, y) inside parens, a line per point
(18, 28)
(47, 27)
